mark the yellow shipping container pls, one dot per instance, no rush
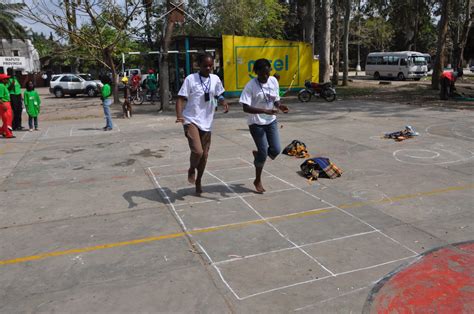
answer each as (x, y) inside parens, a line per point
(293, 60)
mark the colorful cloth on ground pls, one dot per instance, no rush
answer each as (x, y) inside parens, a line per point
(32, 103)
(4, 93)
(297, 149)
(408, 132)
(317, 167)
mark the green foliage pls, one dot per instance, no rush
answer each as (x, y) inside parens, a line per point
(259, 18)
(9, 28)
(376, 34)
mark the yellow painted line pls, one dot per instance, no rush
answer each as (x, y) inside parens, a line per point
(229, 226)
(4, 149)
(157, 238)
(408, 196)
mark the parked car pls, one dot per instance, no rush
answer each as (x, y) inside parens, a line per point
(72, 84)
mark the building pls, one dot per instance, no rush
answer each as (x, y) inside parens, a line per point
(19, 55)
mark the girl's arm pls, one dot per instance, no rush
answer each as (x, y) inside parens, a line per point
(253, 110)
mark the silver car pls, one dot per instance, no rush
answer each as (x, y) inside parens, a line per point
(72, 84)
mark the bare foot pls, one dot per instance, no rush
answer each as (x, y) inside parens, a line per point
(192, 175)
(198, 188)
(258, 186)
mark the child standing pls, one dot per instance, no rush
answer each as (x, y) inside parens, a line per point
(32, 104)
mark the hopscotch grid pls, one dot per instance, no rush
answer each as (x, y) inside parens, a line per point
(214, 265)
(274, 228)
(342, 210)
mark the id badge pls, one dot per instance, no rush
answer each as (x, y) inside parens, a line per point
(206, 97)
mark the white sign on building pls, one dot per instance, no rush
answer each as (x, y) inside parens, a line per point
(13, 62)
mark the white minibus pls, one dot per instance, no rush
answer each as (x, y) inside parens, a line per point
(401, 65)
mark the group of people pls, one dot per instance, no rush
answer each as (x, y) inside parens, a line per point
(197, 100)
(11, 104)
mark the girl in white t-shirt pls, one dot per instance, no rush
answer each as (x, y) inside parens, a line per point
(200, 91)
(260, 99)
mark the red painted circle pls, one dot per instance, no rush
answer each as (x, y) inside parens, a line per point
(441, 281)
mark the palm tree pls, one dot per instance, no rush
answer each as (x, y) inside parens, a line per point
(9, 28)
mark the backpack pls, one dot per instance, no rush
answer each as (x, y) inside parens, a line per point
(317, 167)
(297, 149)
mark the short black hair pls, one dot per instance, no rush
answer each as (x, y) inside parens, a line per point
(261, 64)
(204, 56)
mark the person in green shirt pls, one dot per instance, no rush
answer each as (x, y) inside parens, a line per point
(106, 92)
(14, 88)
(32, 104)
(151, 85)
(5, 108)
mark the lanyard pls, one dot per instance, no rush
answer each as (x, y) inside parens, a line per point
(261, 88)
(205, 87)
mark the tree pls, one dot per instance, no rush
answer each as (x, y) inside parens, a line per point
(347, 15)
(440, 51)
(259, 18)
(324, 43)
(336, 34)
(9, 28)
(103, 27)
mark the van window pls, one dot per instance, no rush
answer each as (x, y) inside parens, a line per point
(403, 61)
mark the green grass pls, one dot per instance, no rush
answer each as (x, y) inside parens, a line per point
(351, 91)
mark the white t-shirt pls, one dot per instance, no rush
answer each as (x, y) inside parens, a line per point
(263, 96)
(197, 110)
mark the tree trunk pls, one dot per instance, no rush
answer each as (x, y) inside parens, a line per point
(347, 15)
(324, 51)
(309, 21)
(441, 46)
(336, 44)
(164, 65)
(109, 60)
(465, 32)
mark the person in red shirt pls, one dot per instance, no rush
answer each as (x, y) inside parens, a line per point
(447, 81)
(5, 108)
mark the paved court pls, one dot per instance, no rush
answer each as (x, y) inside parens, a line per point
(94, 221)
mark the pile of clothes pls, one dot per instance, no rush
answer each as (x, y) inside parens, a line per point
(312, 168)
(398, 136)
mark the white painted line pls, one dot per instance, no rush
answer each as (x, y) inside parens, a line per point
(285, 287)
(326, 277)
(26, 132)
(45, 135)
(330, 299)
(233, 197)
(181, 222)
(273, 227)
(293, 248)
(377, 265)
(219, 272)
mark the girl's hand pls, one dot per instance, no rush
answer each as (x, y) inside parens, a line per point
(179, 120)
(283, 108)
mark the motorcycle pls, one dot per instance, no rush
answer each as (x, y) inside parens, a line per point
(324, 90)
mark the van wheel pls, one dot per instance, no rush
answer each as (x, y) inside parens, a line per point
(400, 76)
(377, 75)
(58, 92)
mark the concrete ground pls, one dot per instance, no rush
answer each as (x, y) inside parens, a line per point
(94, 221)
